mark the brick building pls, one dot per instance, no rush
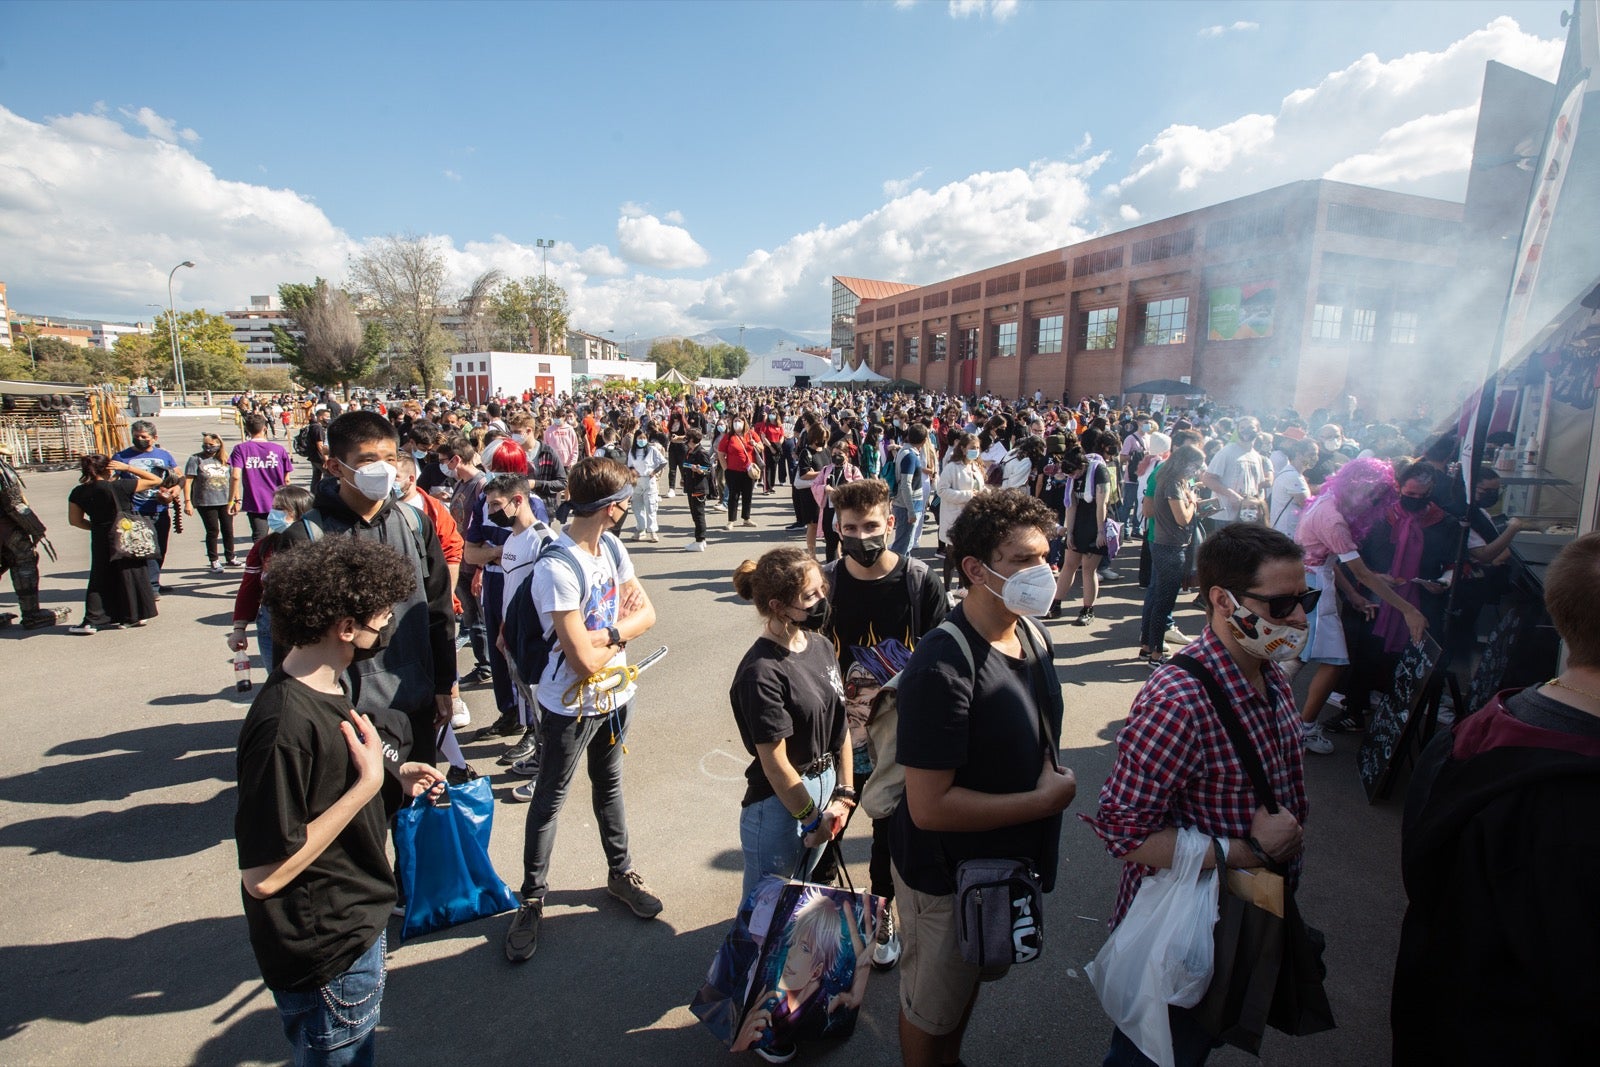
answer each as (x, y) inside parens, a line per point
(1289, 297)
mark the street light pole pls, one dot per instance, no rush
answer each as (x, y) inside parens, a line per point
(172, 328)
(544, 247)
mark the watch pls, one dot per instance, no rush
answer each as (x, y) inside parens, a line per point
(616, 638)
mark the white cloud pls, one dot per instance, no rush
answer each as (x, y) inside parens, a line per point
(650, 242)
(1128, 213)
(999, 10)
(452, 175)
(674, 217)
(904, 5)
(157, 126)
(1237, 27)
(901, 186)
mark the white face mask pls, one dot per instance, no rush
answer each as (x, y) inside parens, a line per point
(1266, 638)
(375, 480)
(1030, 591)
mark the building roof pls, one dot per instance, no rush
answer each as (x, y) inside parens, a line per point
(868, 289)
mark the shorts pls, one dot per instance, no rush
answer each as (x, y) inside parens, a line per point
(936, 984)
(806, 509)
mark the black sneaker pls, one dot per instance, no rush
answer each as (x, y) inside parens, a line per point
(1085, 617)
(504, 726)
(461, 775)
(1344, 723)
(523, 938)
(524, 748)
(1054, 612)
(479, 675)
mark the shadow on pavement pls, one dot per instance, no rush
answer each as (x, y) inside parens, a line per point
(134, 835)
(116, 766)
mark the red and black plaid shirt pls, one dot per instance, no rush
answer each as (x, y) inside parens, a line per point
(1176, 767)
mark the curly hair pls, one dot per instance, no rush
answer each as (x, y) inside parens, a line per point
(1363, 490)
(862, 496)
(989, 518)
(311, 588)
(780, 575)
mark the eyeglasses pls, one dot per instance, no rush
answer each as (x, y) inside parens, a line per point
(1281, 607)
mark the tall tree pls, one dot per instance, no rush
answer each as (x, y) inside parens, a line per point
(56, 360)
(680, 354)
(478, 321)
(135, 356)
(331, 348)
(212, 359)
(726, 361)
(532, 315)
(400, 281)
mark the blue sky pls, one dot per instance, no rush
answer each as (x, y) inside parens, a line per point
(698, 164)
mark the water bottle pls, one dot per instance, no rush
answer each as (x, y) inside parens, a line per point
(241, 671)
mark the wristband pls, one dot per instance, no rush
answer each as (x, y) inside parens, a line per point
(805, 812)
(614, 636)
(811, 826)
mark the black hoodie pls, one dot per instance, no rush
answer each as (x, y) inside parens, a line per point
(1500, 950)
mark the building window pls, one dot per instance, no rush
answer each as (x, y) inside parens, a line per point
(1163, 247)
(1100, 329)
(1047, 275)
(1005, 339)
(935, 300)
(941, 343)
(544, 368)
(1363, 324)
(913, 349)
(1403, 328)
(1047, 334)
(888, 352)
(967, 344)
(1000, 286)
(962, 293)
(866, 351)
(1097, 262)
(1166, 322)
(1327, 322)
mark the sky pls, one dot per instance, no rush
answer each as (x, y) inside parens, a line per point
(695, 164)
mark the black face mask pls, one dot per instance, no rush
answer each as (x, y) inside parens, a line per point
(499, 517)
(864, 550)
(1488, 498)
(816, 616)
(1415, 503)
(380, 643)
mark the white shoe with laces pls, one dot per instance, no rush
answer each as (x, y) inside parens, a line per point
(460, 716)
(1314, 739)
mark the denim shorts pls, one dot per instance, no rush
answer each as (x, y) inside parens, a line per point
(334, 1026)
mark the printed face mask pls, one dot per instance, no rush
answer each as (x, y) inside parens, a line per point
(1266, 638)
(1030, 591)
(864, 550)
(375, 480)
(277, 520)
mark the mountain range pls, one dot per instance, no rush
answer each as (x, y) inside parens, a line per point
(758, 340)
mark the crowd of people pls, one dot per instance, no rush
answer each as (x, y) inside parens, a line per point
(430, 526)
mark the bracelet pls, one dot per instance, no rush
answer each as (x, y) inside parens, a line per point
(843, 792)
(811, 826)
(805, 812)
(1261, 853)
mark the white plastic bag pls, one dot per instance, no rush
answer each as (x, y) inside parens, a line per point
(1161, 953)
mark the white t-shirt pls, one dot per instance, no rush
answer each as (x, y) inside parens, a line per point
(1239, 467)
(1285, 515)
(555, 588)
(516, 559)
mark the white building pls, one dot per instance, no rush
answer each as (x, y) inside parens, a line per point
(481, 375)
(252, 328)
(785, 367)
(104, 334)
(590, 346)
(613, 370)
(5, 318)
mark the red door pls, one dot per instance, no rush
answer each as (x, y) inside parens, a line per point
(544, 383)
(969, 376)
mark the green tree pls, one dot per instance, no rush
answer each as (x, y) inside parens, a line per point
(15, 366)
(331, 348)
(399, 280)
(726, 361)
(680, 354)
(134, 355)
(532, 315)
(57, 360)
(212, 359)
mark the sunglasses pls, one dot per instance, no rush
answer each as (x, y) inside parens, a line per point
(1282, 607)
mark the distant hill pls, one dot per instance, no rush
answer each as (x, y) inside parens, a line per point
(758, 340)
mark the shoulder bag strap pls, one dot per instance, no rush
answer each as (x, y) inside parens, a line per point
(1242, 746)
(1033, 652)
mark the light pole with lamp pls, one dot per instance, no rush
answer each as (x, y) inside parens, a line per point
(544, 247)
(172, 324)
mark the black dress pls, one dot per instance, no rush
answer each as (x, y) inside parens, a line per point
(119, 590)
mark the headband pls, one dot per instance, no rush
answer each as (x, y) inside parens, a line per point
(625, 493)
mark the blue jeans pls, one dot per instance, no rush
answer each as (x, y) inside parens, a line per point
(1190, 1044)
(907, 528)
(1166, 580)
(770, 835)
(334, 1026)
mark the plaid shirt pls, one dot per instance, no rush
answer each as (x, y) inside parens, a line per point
(1175, 766)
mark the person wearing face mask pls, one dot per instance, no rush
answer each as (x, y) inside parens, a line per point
(318, 783)
(1236, 473)
(979, 717)
(788, 704)
(415, 675)
(288, 504)
(259, 468)
(960, 479)
(1413, 545)
(205, 487)
(880, 605)
(146, 454)
(836, 473)
(424, 438)
(459, 460)
(1175, 511)
(1176, 765)
(741, 453)
(647, 460)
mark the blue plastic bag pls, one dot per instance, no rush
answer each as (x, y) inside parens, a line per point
(442, 857)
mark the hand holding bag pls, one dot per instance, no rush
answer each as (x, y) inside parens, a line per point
(442, 858)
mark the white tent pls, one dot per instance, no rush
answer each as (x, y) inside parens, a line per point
(783, 366)
(833, 377)
(865, 375)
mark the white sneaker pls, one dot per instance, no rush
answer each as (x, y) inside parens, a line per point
(460, 715)
(653, 536)
(886, 953)
(671, 493)
(1175, 637)
(1336, 700)
(1312, 736)
(695, 546)
(216, 566)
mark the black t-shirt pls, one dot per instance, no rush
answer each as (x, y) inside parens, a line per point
(870, 614)
(293, 765)
(998, 750)
(794, 697)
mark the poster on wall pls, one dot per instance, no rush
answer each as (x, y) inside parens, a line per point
(1242, 312)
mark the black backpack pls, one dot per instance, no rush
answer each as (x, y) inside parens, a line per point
(302, 442)
(529, 642)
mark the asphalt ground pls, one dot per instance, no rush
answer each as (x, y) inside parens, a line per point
(122, 939)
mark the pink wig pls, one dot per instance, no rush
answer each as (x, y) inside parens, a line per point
(1363, 490)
